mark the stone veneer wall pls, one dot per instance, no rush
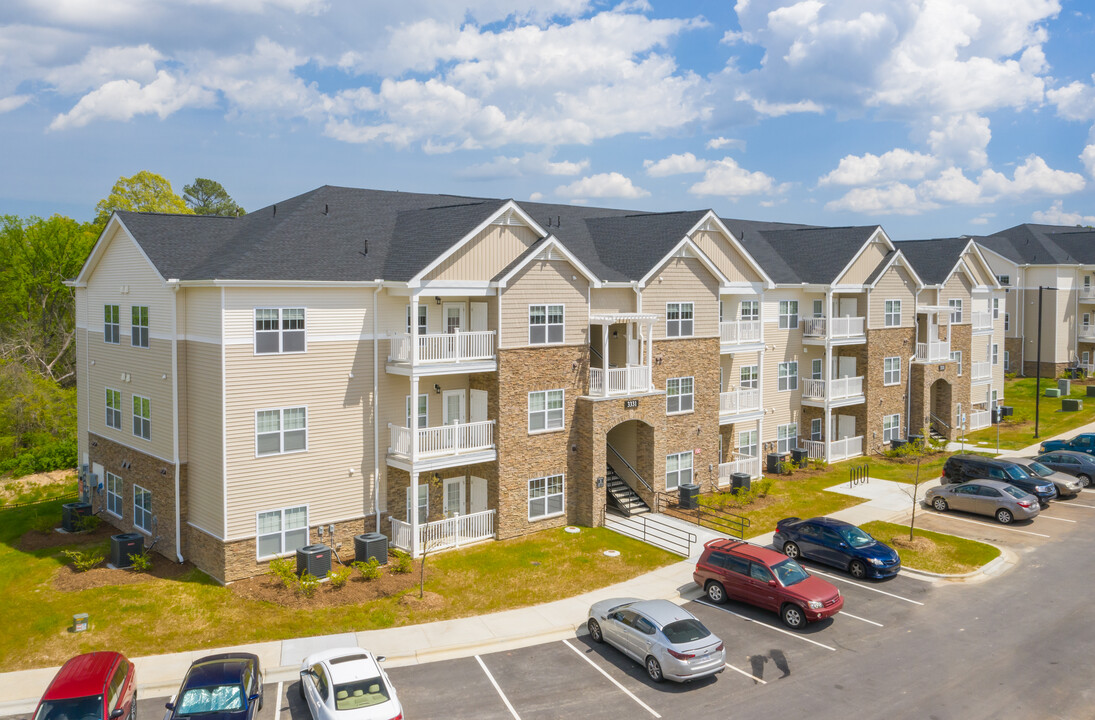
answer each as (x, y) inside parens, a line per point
(399, 480)
(1014, 348)
(923, 376)
(885, 399)
(1049, 370)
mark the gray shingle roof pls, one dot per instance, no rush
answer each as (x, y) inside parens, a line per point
(803, 254)
(1031, 244)
(933, 260)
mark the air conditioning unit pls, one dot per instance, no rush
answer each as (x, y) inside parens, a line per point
(124, 545)
(314, 560)
(71, 514)
(371, 545)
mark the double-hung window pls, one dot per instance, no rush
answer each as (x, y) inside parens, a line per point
(545, 410)
(788, 314)
(281, 531)
(678, 319)
(678, 470)
(1007, 322)
(956, 310)
(748, 377)
(816, 425)
(139, 326)
(423, 414)
(112, 326)
(1004, 279)
(891, 427)
(995, 354)
(678, 395)
(750, 310)
(114, 409)
(995, 308)
(142, 417)
(284, 430)
(545, 324)
(957, 357)
(891, 371)
(545, 497)
(786, 437)
(279, 330)
(892, 316)
(142, 508)
(114, 494)
(423, 317)
(787, 376)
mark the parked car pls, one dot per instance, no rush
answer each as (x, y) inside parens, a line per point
(662, 636)
(348, 684)
(963, 468)
(219, 687)
(95, 686)
(735, 570)
(995, 498)
(1065, 483)
(1079, 465)
(837, 543)
(1084, 442)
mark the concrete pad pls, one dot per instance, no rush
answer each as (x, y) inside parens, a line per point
(294, 651)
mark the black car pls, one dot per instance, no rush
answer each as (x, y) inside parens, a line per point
(220, 687)
(1079, 465)
(961, 468)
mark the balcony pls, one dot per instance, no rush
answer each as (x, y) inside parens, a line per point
(838, 449)
(444, 446)
(981, 372)
(619, 381)
(1087, 293)
(844, 330)
(938, 351)
(740, 464)
(443, 353)
(738, 402)
(982, 321)
(844, 391)
(443, 534)
(740, 333)
(1086, 333)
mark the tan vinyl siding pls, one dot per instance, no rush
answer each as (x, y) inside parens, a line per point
(864, 265)
(684, 280)
(330, 314)
(958, 287)
(202, 309)
(485, 255)
(1065, 321)
(980, 274)
(928, 296)
(544, 281)
(895, 284)
(612, 300)
(726, 256)
(81, 389)
(786, 347)
(731, 365)
(201, 363)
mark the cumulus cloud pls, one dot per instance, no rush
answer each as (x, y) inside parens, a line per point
(602, 185)
(725, 178)
(102, 65)
(13, 102)
(721, 142)
(962, 139)
(1034, 176)
(892, 199)
(1075, 101)
(1088, 159)
(868, 169)
(502, 166)
(952, 187)
(125, 99)
(675, 165)
(1056, 215)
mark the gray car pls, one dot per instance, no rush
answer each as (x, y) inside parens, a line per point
(1066, 484)
(986, 497)
(1079, 465)
(663, 637)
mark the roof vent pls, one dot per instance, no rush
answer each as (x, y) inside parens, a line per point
(326, 208)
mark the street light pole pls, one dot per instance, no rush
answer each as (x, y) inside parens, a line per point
(1038, 365)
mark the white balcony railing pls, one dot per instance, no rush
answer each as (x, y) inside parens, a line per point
(740, 464)
(981, 320)
(937, 351)
(740, 332)
(444, 534)
(837, 389)
(444, 347)
(979, 419)
(739, 401)
(845, 448)
(815, 449)
(1087, 292)
(619, 381)
(838, 327)
(981, 371)
(1086, 332)
(443, 440)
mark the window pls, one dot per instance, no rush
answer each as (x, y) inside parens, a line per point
(747, 443)
(279, 330)
(1007, 322)
(815, 429)
(423, 504)
(1086, 320)
(423, 411)
(748, 376)
(281, 531)
(957, 357)
(819, 308)
(545, 497)
(142, 508)
(995, 354)
(786, 437)
(1007, 360)
(817, 369)
(114, 409)
(891, 371)
(113, 494)
(545, 324)
(787, 376)
(750, 310)
(893, 313)
(423, 316)
(1004, 279)
(139, 326)
(956, 310)
(281, 431)
(995, 308)
(678, 319)
(678, 395)
(545, 410)
(142, 417)
(112, 326)
(678, 470)
(788, 314)
(891, 427)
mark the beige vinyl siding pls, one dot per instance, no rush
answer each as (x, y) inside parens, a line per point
(1012, 308)
(731, 364)
(958, 287)
(726, 256)
(330, 314)
(864, 265)
(201, 363)
(82, 419)
(485, 255)
(1050, 331)
(980, 274)
(895, 284)
(786, 347)
(392, 311)
(612, 300)
(123, 277)
(544, 282)
(684, 280)
(396, 388)
(928, 296)
(1067, 324)
(202, 310)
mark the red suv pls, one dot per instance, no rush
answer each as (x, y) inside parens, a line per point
(95, 686)
(765, 578)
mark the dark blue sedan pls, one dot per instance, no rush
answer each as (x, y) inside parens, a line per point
(220, 687)
(836, 543)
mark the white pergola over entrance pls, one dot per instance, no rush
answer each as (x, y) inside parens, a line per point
(632, 375)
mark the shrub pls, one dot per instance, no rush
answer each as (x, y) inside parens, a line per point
(403, 563)
(338, 578)
(83, 561)
(818, 463)
(370, 569)
(763, 486)
(44, 523)
(284, 569)
(308, 584)
(88, 523)
(142, 561)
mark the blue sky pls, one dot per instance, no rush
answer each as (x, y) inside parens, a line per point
(932, 118)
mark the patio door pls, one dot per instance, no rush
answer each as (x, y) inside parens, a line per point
(478, 495)
(423, 503)
(453, 403)
(454, 497)
(454, 317)
(844, 367)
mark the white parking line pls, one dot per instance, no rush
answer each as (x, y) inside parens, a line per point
(856, 617)
(277, 705)
(614, 682)
(978, 522)
(1073, 504)
(739, 670)
(867, 587)
(498, 689)
(763, 624)
(1050, 517)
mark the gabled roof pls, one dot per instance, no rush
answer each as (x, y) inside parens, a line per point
(934, 260)
(893, 257)
(802, 254)
(1031, 244)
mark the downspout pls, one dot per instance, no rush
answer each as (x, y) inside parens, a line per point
(174, 284)
(376, 405)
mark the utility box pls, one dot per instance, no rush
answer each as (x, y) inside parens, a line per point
(71, 514)
(314, 560)
(772, 462)
(1065, 386)
(371, 545)
(1071, 404)
(687, 495)
(739, 482)
(1091, 390)
(124, 545)
(1053, 392)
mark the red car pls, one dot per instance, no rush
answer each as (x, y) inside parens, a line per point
(95, 686)
(765, 578)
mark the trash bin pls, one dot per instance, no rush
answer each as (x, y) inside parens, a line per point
(71, 514)
(799, 456)
(739, 481)
(687, 496)
(371, 545)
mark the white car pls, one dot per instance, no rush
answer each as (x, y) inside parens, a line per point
(348, 684)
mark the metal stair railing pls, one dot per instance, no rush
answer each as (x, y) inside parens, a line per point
(634, 472)
(651, 531)
(709, 517)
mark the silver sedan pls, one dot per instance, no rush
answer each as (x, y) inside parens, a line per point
(1066, 484)
(663, 637)
(986, 497)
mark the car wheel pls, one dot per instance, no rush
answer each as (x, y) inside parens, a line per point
(793, 617)
(595, 631)
(716, 593)
(791, 550)
(857, 569)
(939, 504)
(1085, 481)
(1004, 516)
(654, 668)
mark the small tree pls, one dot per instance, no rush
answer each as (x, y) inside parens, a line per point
(920, 449)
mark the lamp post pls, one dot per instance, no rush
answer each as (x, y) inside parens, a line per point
(1038, 364)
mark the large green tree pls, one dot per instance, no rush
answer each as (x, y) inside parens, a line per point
(208, 197)
(144, 192)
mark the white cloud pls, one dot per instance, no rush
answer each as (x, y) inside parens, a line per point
(13, 102)
(1056, 215)
(602, 185)
(721, 142)
(725, 178)
(1088, 158)
(892, 199)
(675, 165)
(770, 109)
(982, 219)
(1075, 101)
(125, 99)
(962, 139)
(952, 187)
(869, 169)
(536, 196)
(529, 164)
(102, 65)
(1034, 176)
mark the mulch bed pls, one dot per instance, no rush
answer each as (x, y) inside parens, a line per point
(68, 579)
(356, 591)
(37, 540)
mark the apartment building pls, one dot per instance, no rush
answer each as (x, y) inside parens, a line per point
(449, 369)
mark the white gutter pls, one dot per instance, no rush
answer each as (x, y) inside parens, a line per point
(174, 285)
(376, 407)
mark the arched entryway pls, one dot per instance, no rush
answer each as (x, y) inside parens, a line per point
(941, 408)
(629, 466)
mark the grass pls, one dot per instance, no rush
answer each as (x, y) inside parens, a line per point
(195, 612)
(15, 492)
(1017, 431)
(933, 552)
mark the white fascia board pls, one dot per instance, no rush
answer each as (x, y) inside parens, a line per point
(899, 257)
(960, 265)
(972, 249)
(216, 282)
(713, 217)
(551, 243)
(877, 231)
(116, 225)
(686, 242)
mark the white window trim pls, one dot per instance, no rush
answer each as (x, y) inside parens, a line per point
(119, 495)
(820, 433)
(781, 429)
(956, 304)
(280, 331)
(284, 552)
(790, 377)
(691, 468)
(886, 372)
(547, 428)
(547, 324)
(146, 328)
(781, 316)
(958, 360)
(994, 353)
(680, 395)
(895, 430)
(423, 308)
(137, 489)
(562, 494)
(887, 315)
(423, 487)
(680, 307)
(754, 381)
(281, 432)
(754, 306)
(142, 417)
(107, 408)
(116, 325)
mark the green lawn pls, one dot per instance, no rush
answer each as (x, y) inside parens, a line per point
(938, 553)
(1018, 431)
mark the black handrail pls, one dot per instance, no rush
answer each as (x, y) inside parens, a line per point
(714, 518)
(651, 531)
(629, 467)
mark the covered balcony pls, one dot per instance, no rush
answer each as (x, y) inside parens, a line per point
(933, 338)
(738, 334)
(846, 329)
(979, 417)
(620, 354)
(938, 351)
(1086, 333)
(846, 390)
(841, 449)
(981, 372)
(1087, 293)
(441, 447)
(982, 321)
(736, 403)
(438, 353)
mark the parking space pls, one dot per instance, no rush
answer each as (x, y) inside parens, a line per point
(467, 691)
(1023, 534)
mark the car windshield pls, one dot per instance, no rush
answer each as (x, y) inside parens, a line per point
(855, 537)
(1015, 472)
(1014, 492)
(685, 631)
(360, 694)
(216, 698)
(789, 572)
(1039, 469)
(82, 708)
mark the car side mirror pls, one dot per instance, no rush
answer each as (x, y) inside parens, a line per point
(253, 698)
(116, 713)
(169, 705)
(771, 583)
(843, 545)
(380, 658)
